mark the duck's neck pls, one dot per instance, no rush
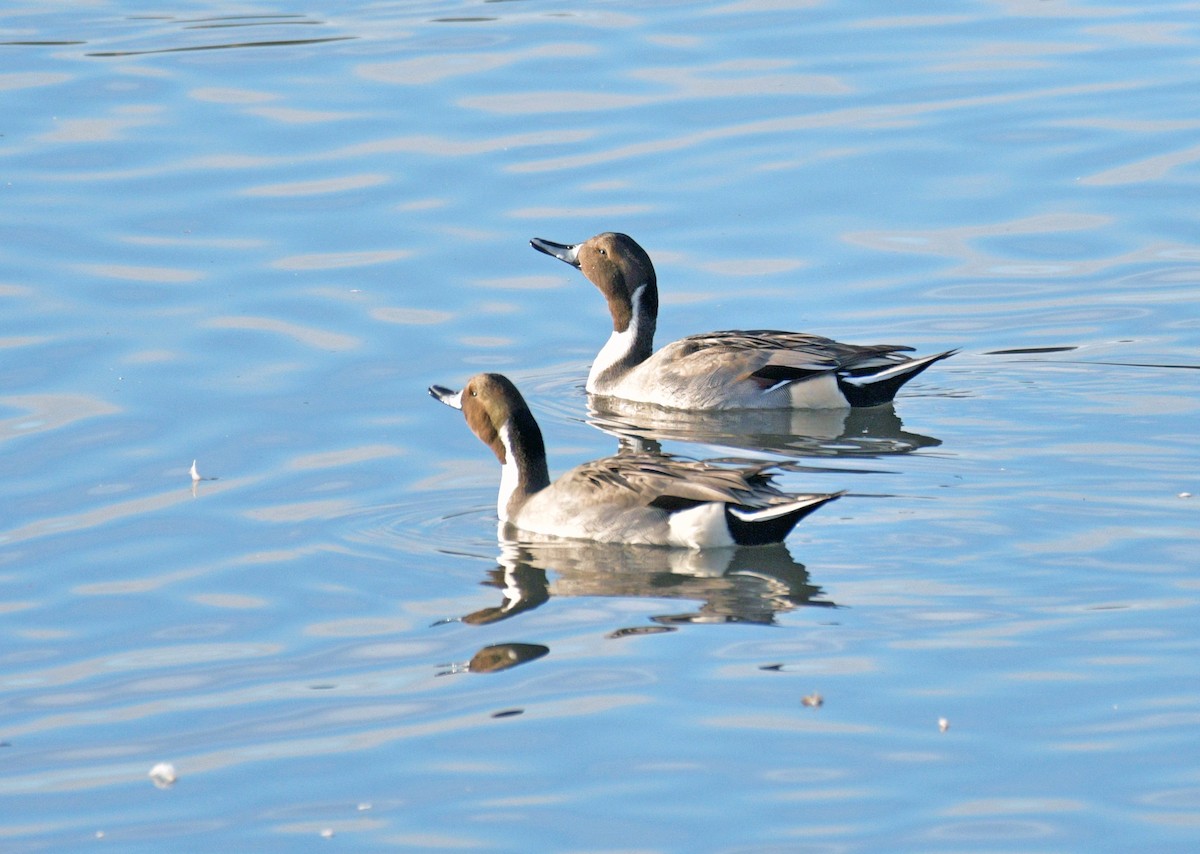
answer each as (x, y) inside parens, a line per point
(523, 469)
(629, 347)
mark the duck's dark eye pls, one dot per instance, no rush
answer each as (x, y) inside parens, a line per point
(602, 251)
(474, 393)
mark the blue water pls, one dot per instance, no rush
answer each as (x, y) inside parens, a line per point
(253, 236)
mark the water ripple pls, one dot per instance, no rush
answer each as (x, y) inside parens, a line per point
(45, 412)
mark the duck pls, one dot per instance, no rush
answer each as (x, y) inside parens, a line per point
(634, 497)
(732, 369)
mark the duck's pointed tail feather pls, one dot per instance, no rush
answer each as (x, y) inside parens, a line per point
(757, 526)
(881, 386)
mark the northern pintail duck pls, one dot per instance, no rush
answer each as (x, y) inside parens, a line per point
(634, 498)
(753, 369)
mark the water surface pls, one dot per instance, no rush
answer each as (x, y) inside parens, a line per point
(253, 236)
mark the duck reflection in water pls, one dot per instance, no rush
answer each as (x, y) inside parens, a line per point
(862, 432)
(740, 585)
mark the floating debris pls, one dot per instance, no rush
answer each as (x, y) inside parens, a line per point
(639, 630)
(163, 775)
(363, 807)
(99, 834)
(327, 833)
(194, 471)
(1185, 495)
(943, 724)
(813, 700)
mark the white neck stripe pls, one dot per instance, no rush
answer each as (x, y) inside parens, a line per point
(619, 344)
(510, 476)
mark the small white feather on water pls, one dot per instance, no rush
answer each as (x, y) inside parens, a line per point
(163, 775)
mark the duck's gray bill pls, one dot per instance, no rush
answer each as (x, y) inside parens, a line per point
(448, 396)
(561, 251)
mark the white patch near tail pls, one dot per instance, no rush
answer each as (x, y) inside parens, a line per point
(819, 392)
(702, 526)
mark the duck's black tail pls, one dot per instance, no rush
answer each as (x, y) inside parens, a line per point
(758, 526)
(880, 386)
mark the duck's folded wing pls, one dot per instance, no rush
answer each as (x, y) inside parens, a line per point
(718, 358)
(667, 483)
(773, 355)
